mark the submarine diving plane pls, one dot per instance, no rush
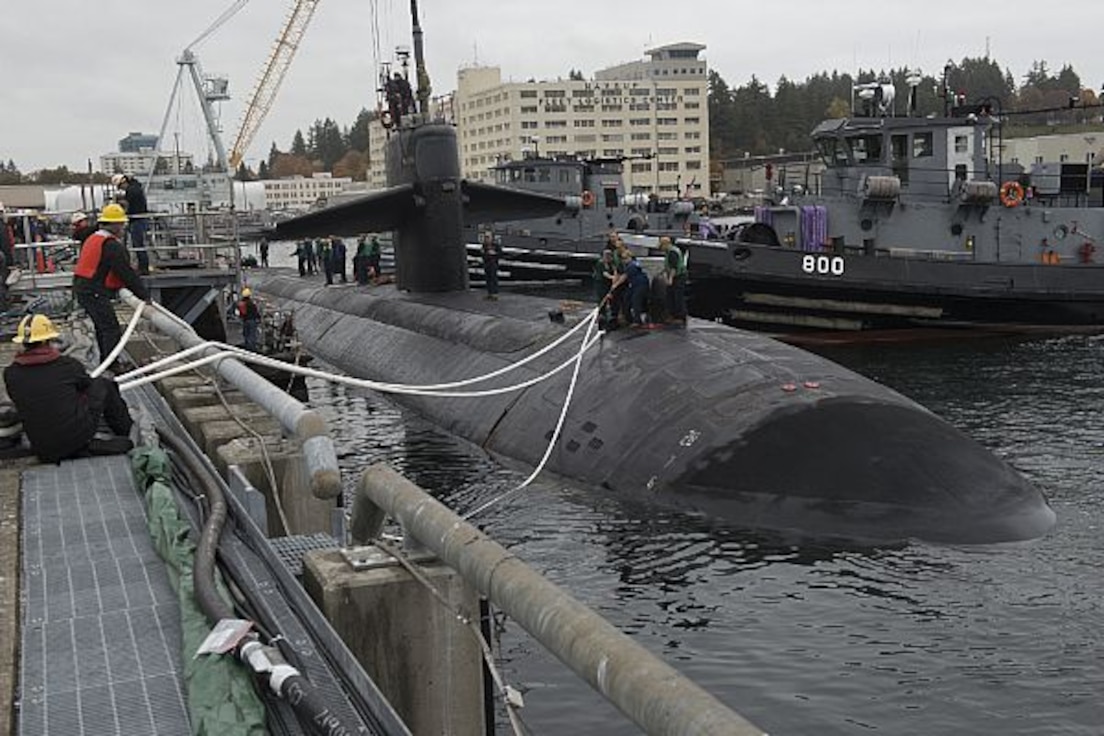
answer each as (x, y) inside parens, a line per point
(710, 419)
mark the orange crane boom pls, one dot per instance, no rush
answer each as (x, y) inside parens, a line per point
(271, 76)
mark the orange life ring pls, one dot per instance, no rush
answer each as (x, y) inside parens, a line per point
(588, 198)
(1011, 194)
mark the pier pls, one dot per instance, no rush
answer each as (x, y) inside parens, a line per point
(385, 631)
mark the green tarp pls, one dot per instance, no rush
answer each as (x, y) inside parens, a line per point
(221, 698)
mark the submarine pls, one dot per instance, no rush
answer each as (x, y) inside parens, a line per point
(706, 418)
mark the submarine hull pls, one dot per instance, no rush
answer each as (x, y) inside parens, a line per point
(709, 419)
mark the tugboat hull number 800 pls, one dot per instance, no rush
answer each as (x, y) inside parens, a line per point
(822, 265)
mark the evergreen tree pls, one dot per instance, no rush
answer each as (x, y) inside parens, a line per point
(298, 145)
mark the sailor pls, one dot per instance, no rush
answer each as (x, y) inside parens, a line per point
(634, 280)
(325, 257)
(492, 251)
(360, 261)
(674, 273)
(59, 404)
(250, 315)
(374, 257)
(134, 197)
(400, 98)
(603, 274)
(338, 256)
(103, 268)
(264, 253)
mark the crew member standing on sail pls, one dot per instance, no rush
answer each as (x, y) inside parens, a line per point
(103, 268)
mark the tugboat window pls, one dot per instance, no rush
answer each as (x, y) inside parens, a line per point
(832, 152)
(921, 145)
(866, 149)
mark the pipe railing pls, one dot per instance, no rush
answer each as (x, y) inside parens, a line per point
(306, 425)
(650, 692)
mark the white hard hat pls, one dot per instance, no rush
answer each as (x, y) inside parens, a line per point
(117, 179)
(77, 217)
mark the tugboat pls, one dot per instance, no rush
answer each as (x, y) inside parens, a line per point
(917, 222)
(564, 245)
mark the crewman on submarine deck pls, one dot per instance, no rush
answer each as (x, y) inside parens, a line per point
(59, 404)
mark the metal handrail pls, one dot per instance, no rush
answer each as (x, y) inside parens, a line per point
(654, 695)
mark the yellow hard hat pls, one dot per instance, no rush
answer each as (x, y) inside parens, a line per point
(247, 292)
(35, 328)
(113, 213)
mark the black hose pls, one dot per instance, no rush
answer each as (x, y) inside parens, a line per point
(296, 690)
(308, 705)
(206, 590)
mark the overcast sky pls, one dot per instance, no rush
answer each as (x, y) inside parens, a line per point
(76, 76)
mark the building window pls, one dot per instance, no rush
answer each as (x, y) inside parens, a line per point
(639, 121)
(692, 91)
(641, 136)
(528, 93)
(640, 168)
(693, 165)
(692, 121)
(961, 144)
(583, 123)
(666, 121)
(611, 123)
(555, 124)
(668, 166)
(554, 93)
(692, 105)
(581, 93)
(528, 109)
(529, 124)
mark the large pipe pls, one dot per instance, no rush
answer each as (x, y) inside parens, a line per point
(654, 695)
(305, 424)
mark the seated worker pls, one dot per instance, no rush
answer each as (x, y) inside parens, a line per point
(59, 404)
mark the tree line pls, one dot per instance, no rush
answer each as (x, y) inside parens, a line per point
(750, 119)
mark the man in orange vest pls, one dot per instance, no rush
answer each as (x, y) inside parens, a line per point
(103, 268)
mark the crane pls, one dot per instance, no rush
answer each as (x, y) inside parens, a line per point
(287, 43)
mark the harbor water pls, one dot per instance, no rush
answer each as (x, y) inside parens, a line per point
(806, 636)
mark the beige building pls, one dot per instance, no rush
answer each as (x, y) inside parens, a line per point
(142, 162)
(1073, 148)
(654, 112)
(301, 192)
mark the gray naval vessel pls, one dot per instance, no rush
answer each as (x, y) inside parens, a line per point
(917, 221)
(714, 420)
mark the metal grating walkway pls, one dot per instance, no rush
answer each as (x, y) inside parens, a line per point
(101, 625)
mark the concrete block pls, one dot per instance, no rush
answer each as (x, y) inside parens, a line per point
(426, 662)
(214, 434)
(194, 416)
(305, 513)
(201, 395)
